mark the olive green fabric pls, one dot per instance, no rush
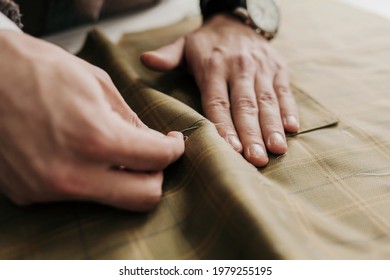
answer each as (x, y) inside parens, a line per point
(327, 198)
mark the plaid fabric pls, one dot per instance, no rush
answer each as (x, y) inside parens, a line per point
(327, 198)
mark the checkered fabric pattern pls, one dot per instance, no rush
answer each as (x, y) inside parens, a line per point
(327, 198)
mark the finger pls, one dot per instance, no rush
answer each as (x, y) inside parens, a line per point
(287, 104)
(215, 99)
(270, 120)
(113, 96)
(135, 191)
(165, 58)
(136, 149)
(246, 115)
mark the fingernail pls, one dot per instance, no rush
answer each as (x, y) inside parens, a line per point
(234, 142)
(256, 151)
(291, 121)
(176, 134)
(276, 140)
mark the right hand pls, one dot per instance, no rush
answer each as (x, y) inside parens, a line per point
(243, 82)
(67, 134)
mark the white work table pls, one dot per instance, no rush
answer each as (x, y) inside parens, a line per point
(165, 13)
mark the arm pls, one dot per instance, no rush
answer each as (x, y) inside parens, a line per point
(243, 82)
(67, 134)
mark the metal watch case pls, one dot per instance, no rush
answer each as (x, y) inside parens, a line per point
(262, 15)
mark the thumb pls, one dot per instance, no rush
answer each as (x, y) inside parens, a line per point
(165, 58)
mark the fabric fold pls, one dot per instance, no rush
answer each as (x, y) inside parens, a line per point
(327, 198)
(215, 195)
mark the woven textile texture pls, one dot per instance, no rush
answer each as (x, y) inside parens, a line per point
(327, 198)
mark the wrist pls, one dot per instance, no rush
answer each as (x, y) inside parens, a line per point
(230, 24)
(261, 15)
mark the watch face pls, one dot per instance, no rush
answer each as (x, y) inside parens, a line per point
(264, 13)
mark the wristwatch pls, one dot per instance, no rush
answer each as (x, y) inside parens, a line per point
(262, 15)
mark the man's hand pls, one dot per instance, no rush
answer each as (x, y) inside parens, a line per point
(243, 82)
(67, 134)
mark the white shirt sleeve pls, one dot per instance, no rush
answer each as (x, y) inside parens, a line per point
(6, 23)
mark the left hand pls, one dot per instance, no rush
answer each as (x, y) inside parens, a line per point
(243, 82)
(67, 134)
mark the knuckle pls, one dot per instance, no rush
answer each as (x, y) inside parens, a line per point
(265, 63)
(247, 105)
(274, 127)
(218, 103)
(267, 97)
(166, 157)
(282, 90)
(214, 61)
(260, 57)
(95, 144)
(252, 133)
(57, 181)
(153, 193)
(243, 61)
(281, 65)
(161, 163)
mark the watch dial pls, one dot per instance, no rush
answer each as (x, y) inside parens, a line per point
(264, 13)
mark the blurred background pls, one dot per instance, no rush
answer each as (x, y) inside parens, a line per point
(164, 13)
(380, 7)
